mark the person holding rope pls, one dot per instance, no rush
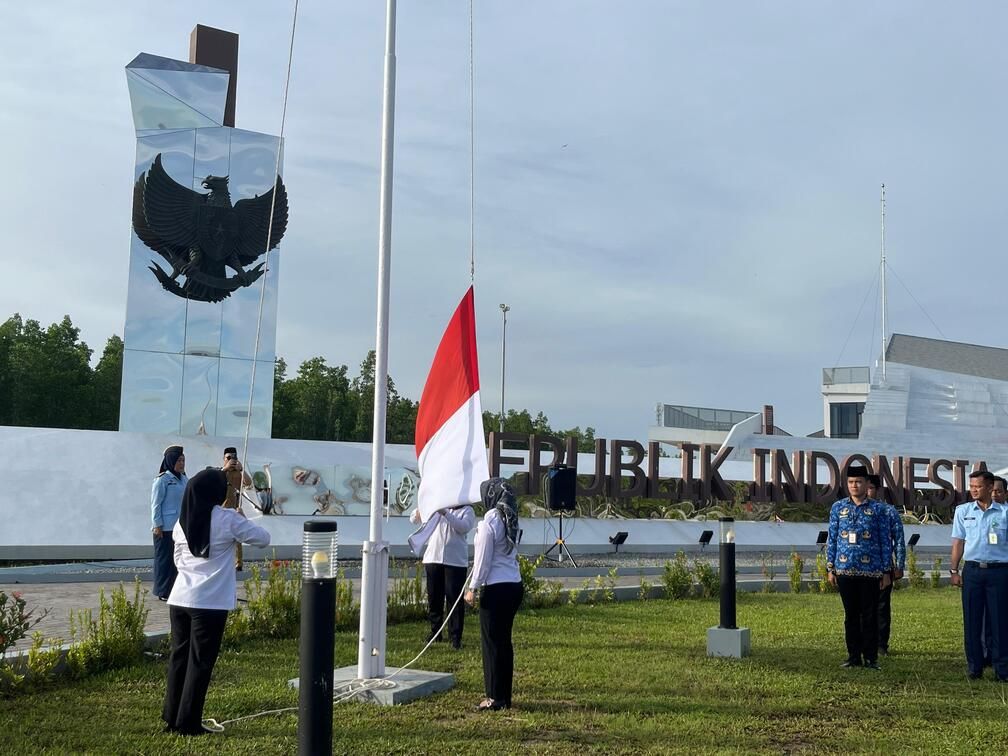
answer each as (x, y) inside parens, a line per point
(445, 559)
(496, 576)
(237, 479)
(204, 592)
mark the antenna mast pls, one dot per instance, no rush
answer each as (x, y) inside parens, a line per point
(884, 301)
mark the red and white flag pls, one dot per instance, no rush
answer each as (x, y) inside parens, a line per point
(449, 427)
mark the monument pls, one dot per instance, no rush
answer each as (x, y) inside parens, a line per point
(202, 203)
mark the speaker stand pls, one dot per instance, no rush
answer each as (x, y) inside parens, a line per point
(560, 546)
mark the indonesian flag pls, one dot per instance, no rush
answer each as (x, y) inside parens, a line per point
(449, 427)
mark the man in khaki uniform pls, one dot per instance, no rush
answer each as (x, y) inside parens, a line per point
(236, 479)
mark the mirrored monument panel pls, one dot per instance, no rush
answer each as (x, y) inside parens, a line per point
(233, 395)
(199, 395)
(151, 392)
(240, 312)
(153, 108)
(213, 155)
(203, 328)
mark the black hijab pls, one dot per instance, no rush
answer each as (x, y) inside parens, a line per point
(498, 494)
(171, 455)
(205, 490)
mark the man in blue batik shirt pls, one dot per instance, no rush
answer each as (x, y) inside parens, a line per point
(859, 561)
(980, 542)
(899, 560)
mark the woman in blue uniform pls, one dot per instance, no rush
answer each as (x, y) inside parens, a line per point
(166, 502)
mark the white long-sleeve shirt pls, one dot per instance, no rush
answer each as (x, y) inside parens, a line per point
(492, 563)
(210, 583)
(448, 544)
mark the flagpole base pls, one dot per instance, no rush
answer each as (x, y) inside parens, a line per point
(407, 685)
(373, 611)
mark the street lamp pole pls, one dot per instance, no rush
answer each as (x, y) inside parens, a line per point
(504, 312)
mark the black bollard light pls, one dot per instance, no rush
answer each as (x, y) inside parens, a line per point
(318, 637)
(727, 554)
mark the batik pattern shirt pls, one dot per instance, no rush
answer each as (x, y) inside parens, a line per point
(860, 539)
(897, 535)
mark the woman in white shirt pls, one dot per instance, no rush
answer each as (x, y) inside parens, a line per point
(497, 577)
(445, 559)
(204, 592)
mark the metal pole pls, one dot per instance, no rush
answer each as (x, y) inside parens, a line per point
(374, 565)
(884, 300)
(504, 312)
(318, 638)
(727, 559)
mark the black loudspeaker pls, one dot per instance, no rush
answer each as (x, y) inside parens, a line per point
(560, 486)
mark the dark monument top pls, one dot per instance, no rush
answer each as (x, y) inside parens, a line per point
(219, 49)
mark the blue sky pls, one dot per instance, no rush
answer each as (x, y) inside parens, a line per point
(679, 201)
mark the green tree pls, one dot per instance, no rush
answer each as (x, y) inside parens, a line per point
(316, 405)
(400, 412)
(47, 375)
(106, 385)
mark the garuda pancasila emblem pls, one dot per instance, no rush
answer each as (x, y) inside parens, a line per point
(201, 235)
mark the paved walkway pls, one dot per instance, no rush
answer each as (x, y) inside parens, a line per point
(64, 599)
(65, 590)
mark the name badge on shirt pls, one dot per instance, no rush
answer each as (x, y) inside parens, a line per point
(852, 537)
(992, 538)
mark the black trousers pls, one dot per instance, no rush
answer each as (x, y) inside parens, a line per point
(164, 564)
(444, 585)
(884, 616)
(196, 640)
(860, 597)
(499, 604)
(985, 592)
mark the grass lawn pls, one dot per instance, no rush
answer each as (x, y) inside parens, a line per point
(617, 678)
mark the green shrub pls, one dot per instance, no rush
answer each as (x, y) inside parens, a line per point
(407, 596)
(796, 566)
(15, 620)
(936, 572)
(676, 577)
(608, 584)
(530, 583)
(43, 659)
(769, 570)
(347, 610)
(707, 577)
(915, 574)
(539, 593)
(644, 592)
(115, 639)
(273, 606)
(822, 575)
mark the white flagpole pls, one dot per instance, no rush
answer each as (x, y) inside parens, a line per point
(374, 566)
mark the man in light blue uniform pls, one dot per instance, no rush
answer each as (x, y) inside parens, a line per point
(980, 542)
(166, 504)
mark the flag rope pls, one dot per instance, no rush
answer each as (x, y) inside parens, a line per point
(349, 691)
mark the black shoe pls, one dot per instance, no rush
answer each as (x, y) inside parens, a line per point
(851, 663)
(974, 674)
(456, 643)
(162, 598)
(883, 651)
(489, 704)
(873, 664)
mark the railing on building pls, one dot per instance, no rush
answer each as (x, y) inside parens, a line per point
(833, 376)
(701, 418)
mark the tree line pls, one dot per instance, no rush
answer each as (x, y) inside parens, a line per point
(47, 381)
